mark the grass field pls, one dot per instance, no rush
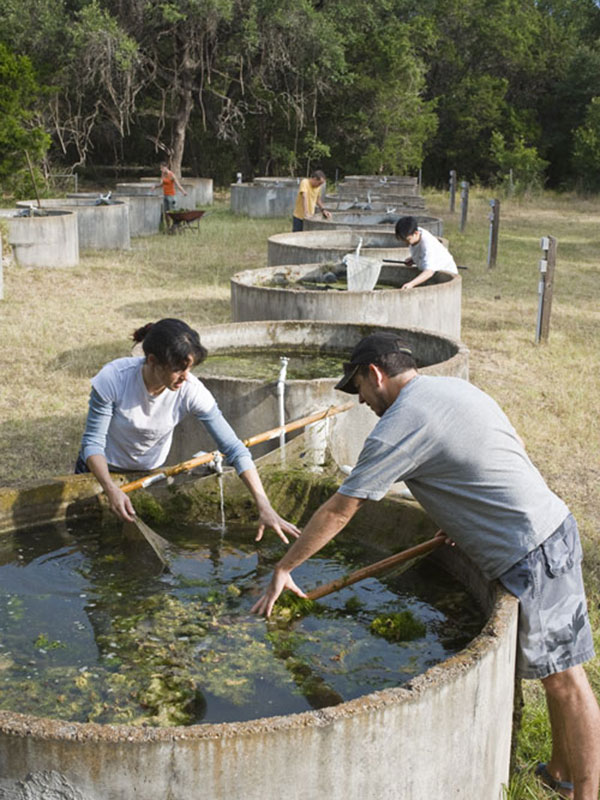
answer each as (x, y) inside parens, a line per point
(58, 326)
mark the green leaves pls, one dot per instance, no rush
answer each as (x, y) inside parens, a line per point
(19, 130)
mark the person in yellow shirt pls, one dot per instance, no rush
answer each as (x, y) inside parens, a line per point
(309, 197)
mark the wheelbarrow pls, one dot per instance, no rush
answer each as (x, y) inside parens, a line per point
(181, 221)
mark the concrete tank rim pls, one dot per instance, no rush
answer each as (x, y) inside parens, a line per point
(438, 676)
(294, 323)
(237, 280)
(52, 212)
(378, 226)
(278, 237)
(461, 351)
(68, 206)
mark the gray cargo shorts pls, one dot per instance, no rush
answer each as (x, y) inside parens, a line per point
(554, 629)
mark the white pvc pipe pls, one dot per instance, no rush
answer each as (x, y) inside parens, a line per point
(281, 399)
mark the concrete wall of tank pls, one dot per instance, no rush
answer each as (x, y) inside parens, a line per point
(435, 306)
(49, 241)
(264, 199)
(449, 727)
(317, 247)
(362, 220)
(99, 227)
(251, 405)
(145, 212)
(203, 190)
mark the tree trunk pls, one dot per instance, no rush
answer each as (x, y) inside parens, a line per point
(183, 112)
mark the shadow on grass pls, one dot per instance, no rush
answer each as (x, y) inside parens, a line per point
(84, 362)
(39, 448)
(207, 312)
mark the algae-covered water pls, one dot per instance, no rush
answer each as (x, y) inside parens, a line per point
(91, 630)
(265, 364)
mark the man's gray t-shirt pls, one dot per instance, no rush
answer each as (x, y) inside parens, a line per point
(463, 461)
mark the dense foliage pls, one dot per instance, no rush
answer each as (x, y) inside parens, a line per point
(491, 88)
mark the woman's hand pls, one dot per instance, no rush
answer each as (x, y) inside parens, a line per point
(269, 518)
(281, 580)
(120, 504)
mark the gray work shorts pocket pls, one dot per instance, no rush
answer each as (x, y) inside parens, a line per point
(561, 553)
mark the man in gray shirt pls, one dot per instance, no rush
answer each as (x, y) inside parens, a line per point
(462, 459)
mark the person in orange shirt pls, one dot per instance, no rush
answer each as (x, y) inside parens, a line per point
(309, 197)
(169, 183)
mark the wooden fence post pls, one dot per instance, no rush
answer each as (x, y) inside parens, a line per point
(494, 230)
(464, 204)
(452, 190)
(546, 287)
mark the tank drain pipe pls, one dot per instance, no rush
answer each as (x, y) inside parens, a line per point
(216, 465)
(281, 401)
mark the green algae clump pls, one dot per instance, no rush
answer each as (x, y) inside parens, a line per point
(401, 626)
(290, 607)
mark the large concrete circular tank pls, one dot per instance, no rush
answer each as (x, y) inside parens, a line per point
(203, 190)
(145, 208)
(44, 241)
(310, 247)
(100, 227)
(361, 220)
(274, 293)
(265, 197)
(251, 405)
(448, 727)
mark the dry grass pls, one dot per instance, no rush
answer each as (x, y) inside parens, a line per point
(57, 327)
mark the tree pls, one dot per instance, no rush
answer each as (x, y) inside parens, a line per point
(520, 169)
(490, 66)
(99, 81)
(89, 65)
(586, 150)
(20, 132)
(378, 119)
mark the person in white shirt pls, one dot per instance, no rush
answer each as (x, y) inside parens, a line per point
(427, 253)
(135, 404)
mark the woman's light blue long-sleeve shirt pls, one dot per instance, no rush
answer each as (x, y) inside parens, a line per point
(100, 414)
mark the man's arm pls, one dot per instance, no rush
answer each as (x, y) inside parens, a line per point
(423, 276)
(322, 209)
(325, 523)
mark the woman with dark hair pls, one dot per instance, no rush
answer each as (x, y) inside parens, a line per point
(135, 404)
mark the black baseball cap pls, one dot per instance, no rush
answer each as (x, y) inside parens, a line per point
(368, 351)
